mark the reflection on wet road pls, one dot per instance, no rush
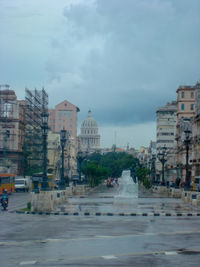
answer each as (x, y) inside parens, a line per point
(41, 240)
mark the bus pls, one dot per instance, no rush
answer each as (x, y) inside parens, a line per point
(7, 181)
(51, 180)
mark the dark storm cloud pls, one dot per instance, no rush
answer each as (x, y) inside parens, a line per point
(123, 59)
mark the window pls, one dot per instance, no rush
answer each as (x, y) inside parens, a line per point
(8, 109)
(182, 106)
(192, 106)
(192, 94)
(182, 94)
(65, 113)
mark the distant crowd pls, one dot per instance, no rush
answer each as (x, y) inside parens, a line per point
(111, 182)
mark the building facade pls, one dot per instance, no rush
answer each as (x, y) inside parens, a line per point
(185, 102)
(64, 116)
(165, 132)
(195, 158)
(185, 117)
(89, 138)
(166, 125)
(11, 132)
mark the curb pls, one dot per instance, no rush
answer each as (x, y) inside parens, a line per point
(110, 214)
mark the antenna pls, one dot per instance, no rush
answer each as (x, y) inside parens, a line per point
(115, 141)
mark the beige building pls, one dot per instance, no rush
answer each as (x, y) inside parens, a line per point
(195, 158)
(11, 132)
(71, 157)
(185, 102)
(54, 155)
(64, 116)
(185, 116)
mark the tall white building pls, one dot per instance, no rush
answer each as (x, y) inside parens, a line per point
(166, 132)
(166, 125)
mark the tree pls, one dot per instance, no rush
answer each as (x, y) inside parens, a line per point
(95, 173)
(142, 175)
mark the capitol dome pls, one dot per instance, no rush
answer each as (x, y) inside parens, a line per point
(89, 137)
(89, 125)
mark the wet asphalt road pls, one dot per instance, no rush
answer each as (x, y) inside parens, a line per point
(41, 240)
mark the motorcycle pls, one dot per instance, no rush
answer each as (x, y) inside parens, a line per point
(4, 204)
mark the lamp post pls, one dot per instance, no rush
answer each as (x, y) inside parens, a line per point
(63, 142)
(68, 168)
(162, 158)
(80, 158)
(45, 184)
(153, 169)
(187, 143)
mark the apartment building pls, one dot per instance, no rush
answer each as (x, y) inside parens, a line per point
(185, 117)
(166, 125)
(165, 132)
(195, 158)
(185, 102)
(11, 132)
(64, 115)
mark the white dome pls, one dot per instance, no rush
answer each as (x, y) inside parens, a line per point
(89, 137)
(89, 122)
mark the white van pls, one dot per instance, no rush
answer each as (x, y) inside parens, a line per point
(22, 183)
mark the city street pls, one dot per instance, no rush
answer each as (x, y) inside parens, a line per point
(58, 240)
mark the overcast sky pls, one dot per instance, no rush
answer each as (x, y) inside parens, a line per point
(120, 58)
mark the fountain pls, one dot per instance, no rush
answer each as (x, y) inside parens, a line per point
(128, 190)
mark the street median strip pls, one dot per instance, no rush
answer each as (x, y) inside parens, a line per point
(108, 214)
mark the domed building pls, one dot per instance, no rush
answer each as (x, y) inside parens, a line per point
(89, 138)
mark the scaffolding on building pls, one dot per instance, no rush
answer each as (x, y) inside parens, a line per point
(36, 104)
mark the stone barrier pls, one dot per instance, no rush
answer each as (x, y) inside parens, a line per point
(79, 190)
(175, 192)
(191, 197)
(45, 201)
(168, 191)
(162, 190)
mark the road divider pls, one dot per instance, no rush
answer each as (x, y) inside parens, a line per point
(109, 214)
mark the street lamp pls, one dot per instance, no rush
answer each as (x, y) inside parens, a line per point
(44, 184)
(153, 169)
(187, 143)
(63, 142)
(162, 158)
(80, 158)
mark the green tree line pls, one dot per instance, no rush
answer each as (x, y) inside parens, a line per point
(111, 164)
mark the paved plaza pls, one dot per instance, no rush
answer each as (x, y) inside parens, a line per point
(90, 240)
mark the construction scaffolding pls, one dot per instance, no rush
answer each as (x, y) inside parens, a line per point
(36, 104)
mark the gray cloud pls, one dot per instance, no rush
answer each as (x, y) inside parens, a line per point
(120, 58)
(123, 59)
